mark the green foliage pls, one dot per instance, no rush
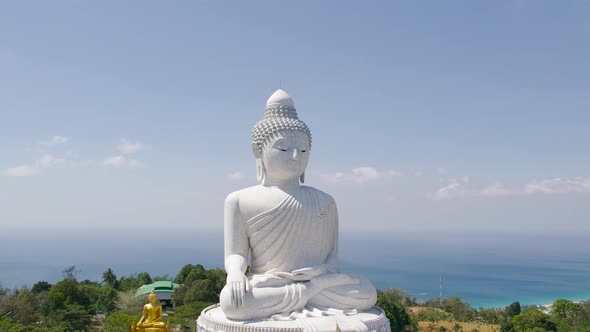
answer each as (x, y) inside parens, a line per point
(532, 318)
(198, 285)
(459, 309)
(491, 316)
(392, 302)
(41, 286)
(563, 309)
(69, 305)
(24, 306)
(162, 278)
(570, 316)
(186, 315)
(513, 309)
(76, 317)
(107, 301)
(109, 278)
(144, 278)
(117, 322)
(134, 281)
(433, 315)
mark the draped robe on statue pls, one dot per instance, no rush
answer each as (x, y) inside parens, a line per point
(300, 232)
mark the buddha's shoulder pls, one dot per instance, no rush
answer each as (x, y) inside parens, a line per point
(256, 194)
(236, 196)
(322, 196)
(253, 195)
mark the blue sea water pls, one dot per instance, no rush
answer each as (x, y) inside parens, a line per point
(486, 269)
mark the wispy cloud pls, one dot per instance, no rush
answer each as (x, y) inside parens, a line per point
(34, 168)
(234, 176)
(558, 186)
(454, 188)
(359, 175)
(463, 187)
(55, 140)
(122, 162)
(127, 147)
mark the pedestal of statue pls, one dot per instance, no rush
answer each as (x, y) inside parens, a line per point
(212, 319)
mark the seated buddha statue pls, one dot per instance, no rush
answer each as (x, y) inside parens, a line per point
(287, 233)
(151, 317)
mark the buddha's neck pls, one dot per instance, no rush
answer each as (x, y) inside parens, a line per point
(284, 185)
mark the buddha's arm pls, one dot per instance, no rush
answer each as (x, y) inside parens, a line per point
(158, 314)
(144, 314)
(236, 250)
(333, 262)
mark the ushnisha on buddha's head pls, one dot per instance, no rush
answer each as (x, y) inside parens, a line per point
(280, 142)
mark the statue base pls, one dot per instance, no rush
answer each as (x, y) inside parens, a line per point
(212, 319)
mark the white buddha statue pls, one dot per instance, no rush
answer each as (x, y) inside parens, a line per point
(286, 232)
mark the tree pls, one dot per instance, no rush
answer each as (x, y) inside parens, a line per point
(565, 309)
(391, 303)
(71, 272)
(532, 318)
(110, 278)
(433, 315)
(570, 316)
(513, 309)
(144, 278)
(41, 286)
(118, 322)
(107, 300)
(460, 310)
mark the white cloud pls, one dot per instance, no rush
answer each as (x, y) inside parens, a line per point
(497, 190)
(234, 176)
(558, 186)
(359, 175)
(22, 170)
(34, 168)
(127, 147)
(55, 140)
(122, 162)
(457, 188)
(454, 189)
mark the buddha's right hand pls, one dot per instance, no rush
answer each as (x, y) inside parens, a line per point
(238, 285)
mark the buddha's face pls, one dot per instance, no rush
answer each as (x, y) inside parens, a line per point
(152, 299)
(286, 155)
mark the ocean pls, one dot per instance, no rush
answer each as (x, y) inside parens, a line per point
(487, 269)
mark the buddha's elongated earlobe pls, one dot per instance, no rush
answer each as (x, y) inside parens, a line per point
(302, 178)
(260, 171)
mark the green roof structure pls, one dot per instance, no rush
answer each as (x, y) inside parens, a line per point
(163, 286)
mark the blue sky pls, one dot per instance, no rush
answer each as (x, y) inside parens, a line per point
(424, 115)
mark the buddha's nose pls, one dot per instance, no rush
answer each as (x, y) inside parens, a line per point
(295, 154)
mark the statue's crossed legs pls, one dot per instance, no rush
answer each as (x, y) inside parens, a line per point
(272, 295)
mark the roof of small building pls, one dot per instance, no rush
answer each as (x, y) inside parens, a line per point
(158, 286)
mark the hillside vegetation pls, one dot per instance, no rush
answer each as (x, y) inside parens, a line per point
(72, 305)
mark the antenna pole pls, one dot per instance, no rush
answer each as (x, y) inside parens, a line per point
(441, 289)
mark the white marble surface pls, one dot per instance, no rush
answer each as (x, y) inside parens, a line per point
(286, 232)
(213, 319)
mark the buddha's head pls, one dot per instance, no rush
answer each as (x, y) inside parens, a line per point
(280, 141)
(153, 298)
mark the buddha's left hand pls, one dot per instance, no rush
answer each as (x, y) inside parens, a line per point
(304, 274)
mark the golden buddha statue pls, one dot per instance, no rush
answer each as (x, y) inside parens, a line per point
(151, 317)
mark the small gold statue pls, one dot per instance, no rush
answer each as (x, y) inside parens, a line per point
(151, 317)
